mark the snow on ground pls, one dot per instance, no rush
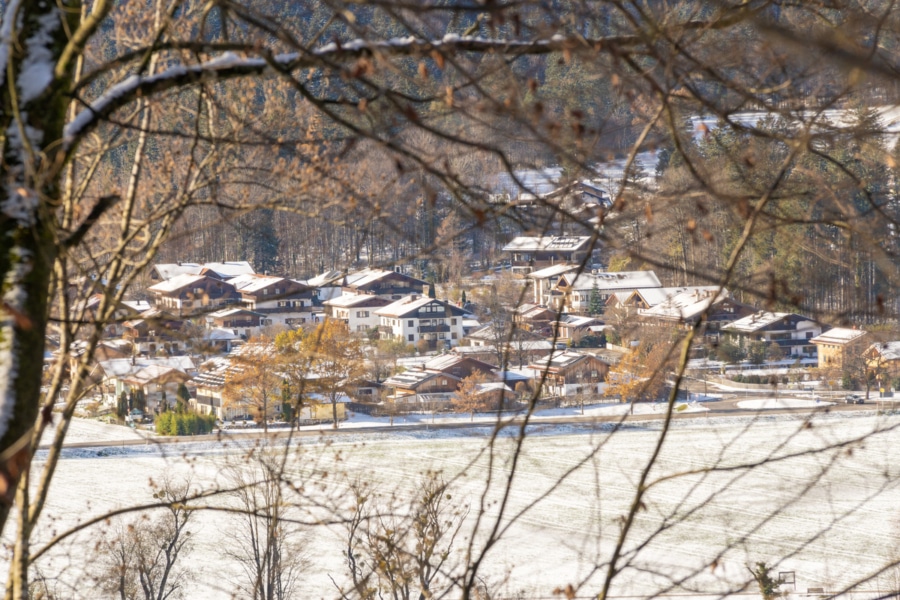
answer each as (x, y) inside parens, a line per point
(825, 514)
(770, 403)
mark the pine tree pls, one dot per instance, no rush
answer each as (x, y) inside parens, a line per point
(595, 302)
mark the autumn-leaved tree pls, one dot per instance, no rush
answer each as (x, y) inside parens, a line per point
(335, 362)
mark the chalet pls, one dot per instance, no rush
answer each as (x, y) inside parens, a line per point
(280, 300)
(534, 318)
(240, 321)
(356, 310)
(379, 282)
(421, 387)
(544, 280)
(156, 331)
(192, 294)
(567, 373)
(530, 253)
(883, 354)
(219, 270)
(839, 345)
(684, 308)
(457, 365)
(414, 318)
(574, 327)
(790, 331)
(154, 376)
(573, 291)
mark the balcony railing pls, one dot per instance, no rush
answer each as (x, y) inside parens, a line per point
(434, 329)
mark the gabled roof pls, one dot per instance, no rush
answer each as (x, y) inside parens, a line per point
(887, 350)
(219, 334)
(562, 243)
(365, 277)
(350, 300)
(686, 305)
(608, 282)
(443, 362)
(552, 271)
(559, 361)
(223, 269)
(578, 321)
(250, 284)
(414, 378)
(410, 304)
(839, 336)
(122, 367)
(155, 373)
(176, 283)
(228, 312)
(759, 320)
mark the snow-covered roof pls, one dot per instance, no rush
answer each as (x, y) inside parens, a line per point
(578, 321)
(839, 335)
(685, 305)
(552, 271)
(250, 284)
(122, 367)
(887, 350)
(176, 283)
(326, 278)
(138, 306)
(563, 243)
(228, 312)
(607, 282)
(153, 373)
(412, 303)
(757, 321)
(560, 360)
(412, 378)
(350, 300)
(219, 334)
(223, 269)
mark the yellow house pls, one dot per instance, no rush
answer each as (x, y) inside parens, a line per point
(837, 346)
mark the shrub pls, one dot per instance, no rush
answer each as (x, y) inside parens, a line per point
(173, 423)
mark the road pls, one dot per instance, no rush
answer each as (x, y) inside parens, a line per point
(726, 407)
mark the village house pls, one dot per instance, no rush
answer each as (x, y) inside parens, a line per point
(534, 318)
(156, 331)
(568, 373)
(280, 301)
(414, 318)
(572, 291)
(154, 376)
(379, 282)
(533, 253)
(837, 346)
(575, 327)
(240, 321)
(544, 280)
(356, 310)
(185, 295)
(792, 332)
(686, 307)
(420, 389)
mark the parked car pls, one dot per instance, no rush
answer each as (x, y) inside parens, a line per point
(854, 399)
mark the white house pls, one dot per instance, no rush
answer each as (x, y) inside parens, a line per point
(280, 300)
(794, 333)
(356, 310)
(415, 317)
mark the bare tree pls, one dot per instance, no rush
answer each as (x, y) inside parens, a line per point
(403, 552)
(141, 559)
(265, 543)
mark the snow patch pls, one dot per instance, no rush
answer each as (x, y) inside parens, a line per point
(6, 34)
(15, 298)
(37, 68)
(21, 205)
(772, 403)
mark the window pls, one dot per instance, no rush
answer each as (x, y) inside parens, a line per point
(453, 335)
(277, 290)
(412, 337)
(265, 292)
(198, 291)
(409, 323)
(362, 314)
(283, 303)
(453, 321)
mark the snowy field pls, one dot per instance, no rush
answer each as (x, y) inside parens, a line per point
(825, 508)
